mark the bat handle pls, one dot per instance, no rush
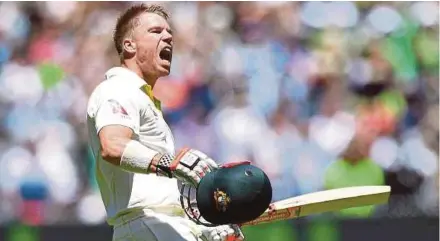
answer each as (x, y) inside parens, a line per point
(235, 238)
(239, 235)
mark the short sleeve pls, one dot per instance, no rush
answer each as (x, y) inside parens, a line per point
(118, 108)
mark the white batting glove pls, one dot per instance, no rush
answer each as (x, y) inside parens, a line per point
(223, 233)
(188, 166)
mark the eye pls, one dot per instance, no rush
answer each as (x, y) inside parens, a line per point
(156, 31)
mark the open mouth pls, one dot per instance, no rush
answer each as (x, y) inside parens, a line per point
(166, 54)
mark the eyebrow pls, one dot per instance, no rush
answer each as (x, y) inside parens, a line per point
(169, 30)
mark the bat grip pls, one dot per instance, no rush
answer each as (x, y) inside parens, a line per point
(238, 236)
(235, 238)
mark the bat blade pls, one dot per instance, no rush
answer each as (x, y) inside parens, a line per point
(324, 201)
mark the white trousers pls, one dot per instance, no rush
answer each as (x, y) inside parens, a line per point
(156, 227)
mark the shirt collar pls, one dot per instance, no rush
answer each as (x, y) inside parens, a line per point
(130, 76)
(133, 78)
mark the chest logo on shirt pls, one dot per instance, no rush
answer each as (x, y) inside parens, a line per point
(117, 108)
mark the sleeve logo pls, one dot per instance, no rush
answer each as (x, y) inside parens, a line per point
(117, 108)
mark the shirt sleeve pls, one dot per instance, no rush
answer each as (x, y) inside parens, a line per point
(118, 108)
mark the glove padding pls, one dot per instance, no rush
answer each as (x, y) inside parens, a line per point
(223, 233)
(188, 166)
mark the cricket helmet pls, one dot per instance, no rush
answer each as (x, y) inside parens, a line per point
(233, 194)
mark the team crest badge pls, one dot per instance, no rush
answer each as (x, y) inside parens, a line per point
(222, 200)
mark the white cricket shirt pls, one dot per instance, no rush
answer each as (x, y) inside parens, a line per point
(120, 100)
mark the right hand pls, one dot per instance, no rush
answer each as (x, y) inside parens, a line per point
(188, 166)
(223, 233)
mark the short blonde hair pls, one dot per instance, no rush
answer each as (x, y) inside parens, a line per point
(128, 21)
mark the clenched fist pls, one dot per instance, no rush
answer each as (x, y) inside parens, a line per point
(223, 233)
(189, 165)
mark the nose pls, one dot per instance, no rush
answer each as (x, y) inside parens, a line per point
(167, 37)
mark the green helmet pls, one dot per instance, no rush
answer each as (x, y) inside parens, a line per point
(233, 194)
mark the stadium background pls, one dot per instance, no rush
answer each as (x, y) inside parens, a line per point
(318, 94)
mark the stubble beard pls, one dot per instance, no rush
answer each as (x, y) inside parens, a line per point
(148, 66)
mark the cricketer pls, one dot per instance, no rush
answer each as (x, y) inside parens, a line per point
(137, 167)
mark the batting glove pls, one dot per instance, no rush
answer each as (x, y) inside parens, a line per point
(223, 233)
(188, 166)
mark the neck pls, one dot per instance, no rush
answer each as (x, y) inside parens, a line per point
(136, 69)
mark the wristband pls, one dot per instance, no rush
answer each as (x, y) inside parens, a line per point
(137, 157)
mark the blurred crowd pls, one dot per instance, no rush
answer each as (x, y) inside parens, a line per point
(320, 95)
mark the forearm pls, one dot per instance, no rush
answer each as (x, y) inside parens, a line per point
(189, 165)
(131, 155)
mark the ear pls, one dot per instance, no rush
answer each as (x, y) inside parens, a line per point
(129, 46)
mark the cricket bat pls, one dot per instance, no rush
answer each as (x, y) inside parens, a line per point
(323, 201)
